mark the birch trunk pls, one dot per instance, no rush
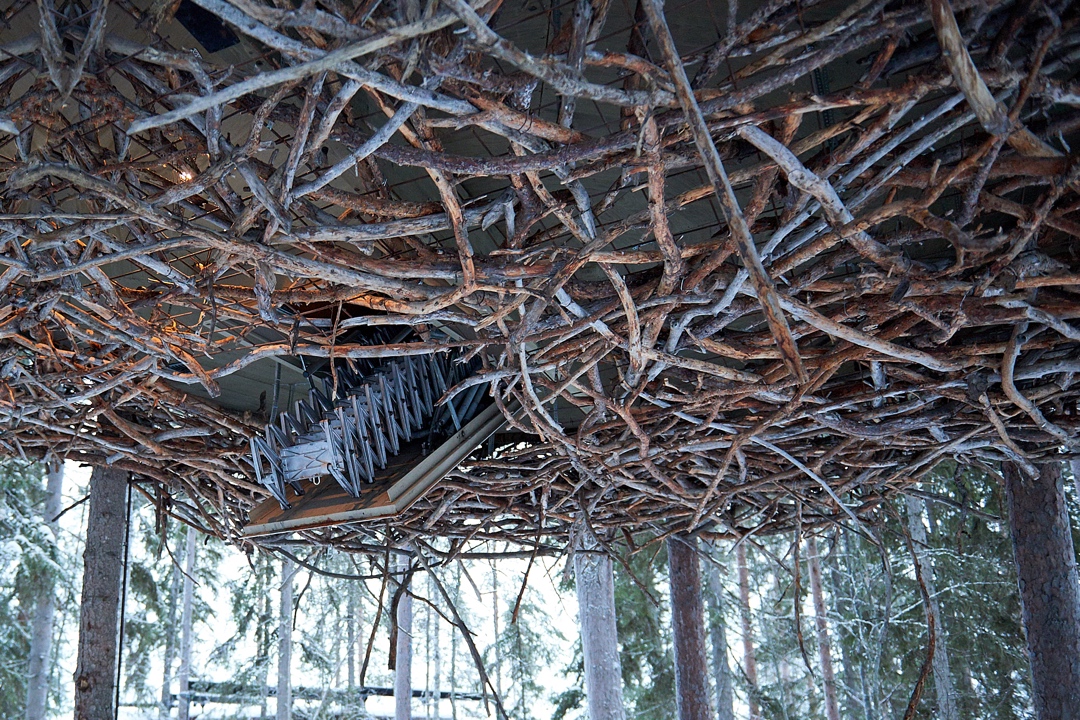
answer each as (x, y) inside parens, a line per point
(725, 708)
(821, 620)
(599, 637)
(284, 670)
(1049, 588)
(749, 656)
(688, 628)
(37, 691)
(403, 653)
(99, 617)
(943, 685)
(183, 709)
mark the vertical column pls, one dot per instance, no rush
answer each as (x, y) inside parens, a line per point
(688, 627)
(1049, 587)
(186, 622)
(99, 617)
(285, 627)
(403, 651)
(599, 637)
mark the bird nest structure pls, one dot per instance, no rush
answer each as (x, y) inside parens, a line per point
(741, 266)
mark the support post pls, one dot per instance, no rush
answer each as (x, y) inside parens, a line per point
(1049, 587)
(688, 627)
(285, 617)
(403, 647)
(599, 636)
(187, 620)
(37, 690)
(99, 617)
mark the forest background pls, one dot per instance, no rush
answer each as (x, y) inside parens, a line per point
(765, 634)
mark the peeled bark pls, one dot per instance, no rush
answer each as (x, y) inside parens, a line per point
(821, 621)
(725, 706)
(943, 685)
(403, 652)
(184, 674)
(599, 636)
(99, 617)
(285, 612)
(1049, 588)
(37, 682)
(749, 656)
(688, 628)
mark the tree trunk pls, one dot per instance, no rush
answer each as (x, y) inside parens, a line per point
(403, 651)
(99, 617)
(749, 657)
(688, 628)
(284, 670)
(1049, 588)
(599, 637)
(436, 688)
(165, 707)
(184, 675)
(943, 685)
(37, 690)
(725, 708)
(813, 562)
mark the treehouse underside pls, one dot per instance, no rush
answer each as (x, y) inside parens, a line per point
(718, 266)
